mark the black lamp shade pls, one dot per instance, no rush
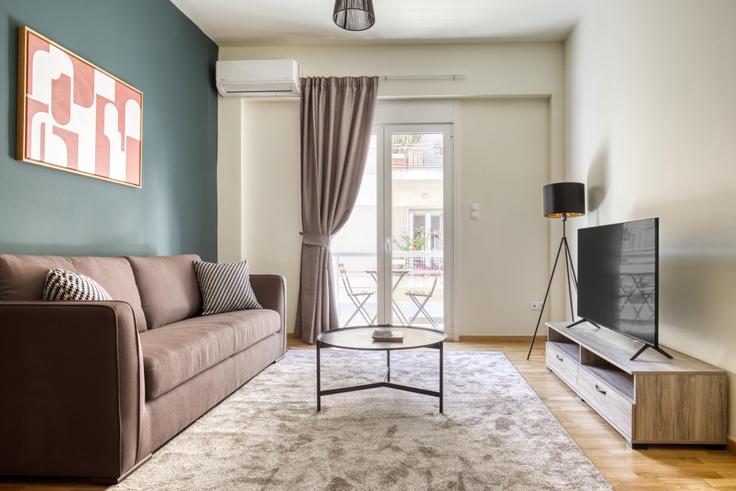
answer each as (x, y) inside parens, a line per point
(354, 15)
(564, 199)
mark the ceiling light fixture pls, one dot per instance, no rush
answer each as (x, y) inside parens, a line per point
(354, 15)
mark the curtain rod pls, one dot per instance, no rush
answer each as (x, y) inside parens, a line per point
(451, 76)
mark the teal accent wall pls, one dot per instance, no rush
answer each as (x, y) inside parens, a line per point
(153, 46)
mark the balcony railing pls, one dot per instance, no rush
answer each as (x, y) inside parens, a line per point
(429, 157)
(413, 261)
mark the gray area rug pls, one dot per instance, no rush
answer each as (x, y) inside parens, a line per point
(495, 433)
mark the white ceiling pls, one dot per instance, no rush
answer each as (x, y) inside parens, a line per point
(279, 22)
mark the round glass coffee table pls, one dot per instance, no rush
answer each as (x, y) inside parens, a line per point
(361, 338)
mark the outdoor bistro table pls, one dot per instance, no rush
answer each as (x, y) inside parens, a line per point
(361, 338)
(399, 274)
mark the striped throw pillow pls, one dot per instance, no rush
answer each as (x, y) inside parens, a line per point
(61, 284)
(225, 287)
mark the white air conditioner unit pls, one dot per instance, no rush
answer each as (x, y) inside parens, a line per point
(257, 78)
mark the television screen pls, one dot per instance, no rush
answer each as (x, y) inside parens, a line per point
(618, 277)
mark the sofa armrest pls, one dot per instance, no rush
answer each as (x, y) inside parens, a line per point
(270, 290)
(71, 384)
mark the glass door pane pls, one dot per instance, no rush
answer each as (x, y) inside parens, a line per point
(354, 258)
(417, 229)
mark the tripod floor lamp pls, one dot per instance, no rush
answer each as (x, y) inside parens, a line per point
(561, 200)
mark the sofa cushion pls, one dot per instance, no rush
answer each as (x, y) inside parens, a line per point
(168, 287)
(225, 287)
(22, 277)
(177, 352)
(61, 285)
(174, 354)
(250, 326)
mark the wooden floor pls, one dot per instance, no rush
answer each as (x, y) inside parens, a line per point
(656, 468)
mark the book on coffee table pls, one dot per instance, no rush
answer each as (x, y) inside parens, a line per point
(390, 335)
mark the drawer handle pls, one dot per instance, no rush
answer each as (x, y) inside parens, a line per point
(559, 358)
(600, 390)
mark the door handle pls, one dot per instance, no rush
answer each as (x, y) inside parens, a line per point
(600, 390)
(559, 358)
(387, 246)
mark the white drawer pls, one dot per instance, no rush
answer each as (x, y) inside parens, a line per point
(560, 362)
(614, 407)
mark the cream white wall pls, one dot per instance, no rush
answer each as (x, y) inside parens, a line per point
(651, 129)
(272, 193)
(531, 76)
(230, 179)
(503, 262)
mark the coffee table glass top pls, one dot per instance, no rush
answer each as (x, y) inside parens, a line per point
(361, 338)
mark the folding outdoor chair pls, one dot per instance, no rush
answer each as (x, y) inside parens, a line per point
(359, 297)
(420, 299)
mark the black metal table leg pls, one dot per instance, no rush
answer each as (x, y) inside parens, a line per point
(441, 378)
(386, 383)
(319, 391)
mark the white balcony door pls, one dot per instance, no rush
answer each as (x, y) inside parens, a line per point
(393, 257)
(417, 213)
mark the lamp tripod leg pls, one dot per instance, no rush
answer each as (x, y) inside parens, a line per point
(572, 267)
(544, 303)
(567, 280)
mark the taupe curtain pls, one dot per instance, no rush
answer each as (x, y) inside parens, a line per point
(336, 118)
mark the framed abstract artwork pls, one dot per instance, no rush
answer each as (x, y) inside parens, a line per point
(75, 116)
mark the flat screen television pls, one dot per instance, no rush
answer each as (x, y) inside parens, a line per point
(618, 279)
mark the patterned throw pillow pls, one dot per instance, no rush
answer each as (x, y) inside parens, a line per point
(225, 287)
(61, 284)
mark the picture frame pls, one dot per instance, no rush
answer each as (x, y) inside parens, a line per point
(75, 116)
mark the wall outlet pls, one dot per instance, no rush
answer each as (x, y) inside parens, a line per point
(536, 306)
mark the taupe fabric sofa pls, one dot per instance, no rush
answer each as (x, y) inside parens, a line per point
(91, 389)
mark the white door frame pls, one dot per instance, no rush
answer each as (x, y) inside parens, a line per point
(384, 204)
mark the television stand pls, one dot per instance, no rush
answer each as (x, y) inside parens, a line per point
(649, 400)
(655, 348)
(582, 321)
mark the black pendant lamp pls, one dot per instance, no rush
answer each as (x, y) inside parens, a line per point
(354, 15)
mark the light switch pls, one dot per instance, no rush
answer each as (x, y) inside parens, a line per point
(475, 211)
